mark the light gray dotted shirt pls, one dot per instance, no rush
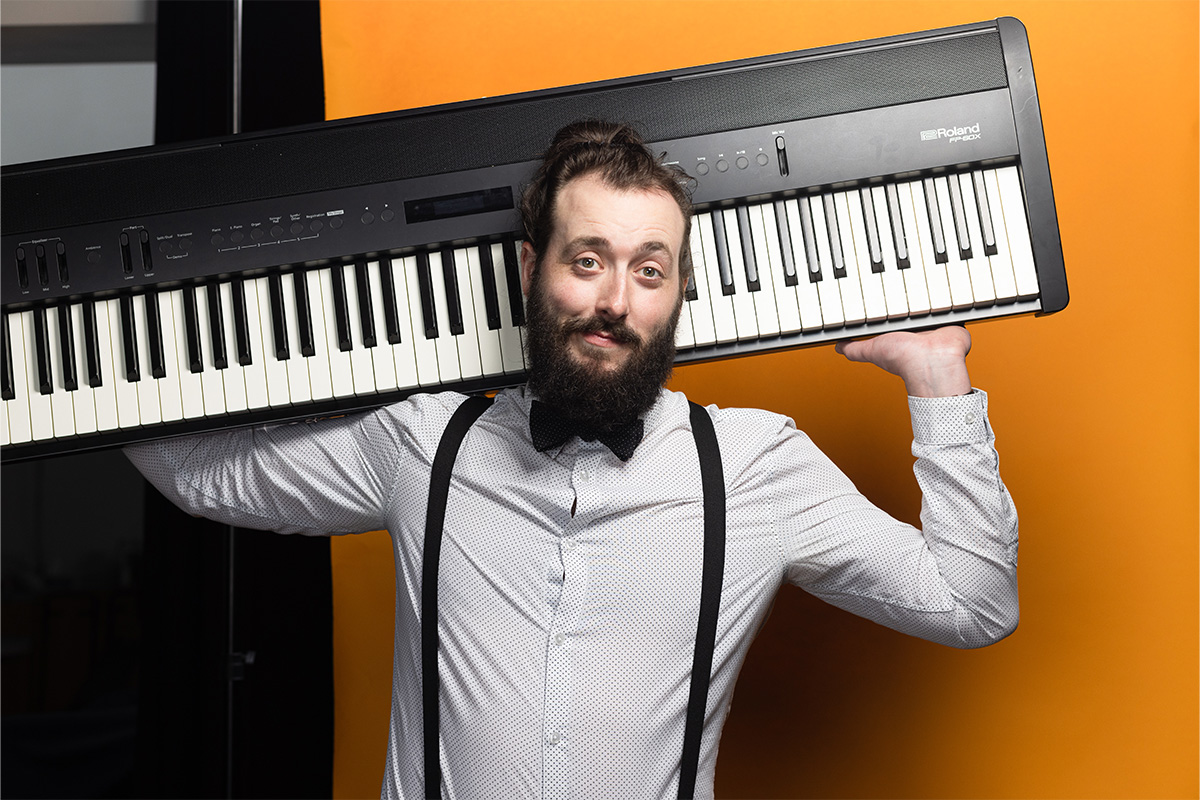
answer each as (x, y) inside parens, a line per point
(566, 639)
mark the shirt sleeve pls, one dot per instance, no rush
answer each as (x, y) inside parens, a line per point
(337, 475)
(952, 581)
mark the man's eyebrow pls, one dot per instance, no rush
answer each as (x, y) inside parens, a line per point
(600, 243)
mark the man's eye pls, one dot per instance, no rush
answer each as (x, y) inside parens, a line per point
(651, 272)
(586, 262)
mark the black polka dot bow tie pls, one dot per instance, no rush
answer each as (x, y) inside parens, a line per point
(549, 430)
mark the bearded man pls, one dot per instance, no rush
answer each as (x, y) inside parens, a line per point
(573, 545)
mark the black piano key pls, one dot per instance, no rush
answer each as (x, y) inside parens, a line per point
(41, 342)
(216, 327)
(873, 247)
(391, 314)
(810, 242)
(133, 372)
(191, 328)
(896, 218)
(835, 237)
(721, 245)
(66, 344)
(278, 317)
(425, 289)
(241, 322)
(512, 275)
(341, 310)
(748, 259)
(91, 344)
(454, 307)
(158, 361)
(366, 311)
(304, 324)
(491, 299)
(960, 218)
(935, 221)
(690, 292)
(8, 387)
(985, 215)
(785, 244)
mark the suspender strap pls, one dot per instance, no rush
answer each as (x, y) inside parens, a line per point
(435, 518)
(712, 478)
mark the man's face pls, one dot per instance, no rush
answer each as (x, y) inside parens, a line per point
(605, 299)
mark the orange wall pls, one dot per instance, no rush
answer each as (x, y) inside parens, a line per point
(1095, 411)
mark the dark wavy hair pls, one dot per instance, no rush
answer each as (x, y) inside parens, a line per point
(618, 154)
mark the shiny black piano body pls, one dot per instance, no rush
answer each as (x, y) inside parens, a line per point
(788, 153)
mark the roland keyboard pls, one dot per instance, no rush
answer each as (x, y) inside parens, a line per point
(844, 191)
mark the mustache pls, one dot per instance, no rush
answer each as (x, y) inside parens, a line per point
(617, 331)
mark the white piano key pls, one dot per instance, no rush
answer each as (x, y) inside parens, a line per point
(191, 393)
(126, 392)
(894, 293)
(233, 377)
(849, 293)
(19, 423)
(808, 294)
(957, 271)
(4, 422)
(521, 328)
(212, 380)
(856, 251)
(382, 358)
(276, 372)
(404, 360)
(341, 373)
(1016, 227)
(510, 337)
(685, 337)
(149, 410)
(785, 296)
(255, 373)
(745, 315)
(983, 291)
(171, 400)
(703, 329)
(424, 349)
(470, 358)
(828, 291)
(84, 396)
(915, 286)
(936, 281)
(444, 344)
(1001, 263)
(765, 307)
(491, 357)
(62, 406)
(320, 377)
(361, 364)
(299, 388)
(41, 413)
(724, 321)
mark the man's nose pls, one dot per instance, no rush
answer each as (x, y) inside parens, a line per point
(613, 298)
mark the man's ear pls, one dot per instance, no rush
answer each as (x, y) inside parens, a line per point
(528, 264)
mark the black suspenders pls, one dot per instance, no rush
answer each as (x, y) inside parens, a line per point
(713, 481)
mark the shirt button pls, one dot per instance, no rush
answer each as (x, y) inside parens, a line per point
(553, 737)
(969, 418)
(559, 639)
(584, 475)
(569, 545)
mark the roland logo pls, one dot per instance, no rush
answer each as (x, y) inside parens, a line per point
(954, 134)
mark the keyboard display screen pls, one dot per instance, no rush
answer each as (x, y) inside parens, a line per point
(458, 205)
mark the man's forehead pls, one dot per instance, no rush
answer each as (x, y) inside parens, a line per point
(590, 199)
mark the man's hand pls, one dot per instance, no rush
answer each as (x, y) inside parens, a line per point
(931, 363)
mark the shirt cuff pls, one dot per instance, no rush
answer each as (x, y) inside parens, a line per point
(950, 420)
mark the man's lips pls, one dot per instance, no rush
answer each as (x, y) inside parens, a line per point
(600, 339)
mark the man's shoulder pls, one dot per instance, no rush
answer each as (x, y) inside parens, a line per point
(733, 420)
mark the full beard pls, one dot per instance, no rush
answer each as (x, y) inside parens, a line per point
(597, 398)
